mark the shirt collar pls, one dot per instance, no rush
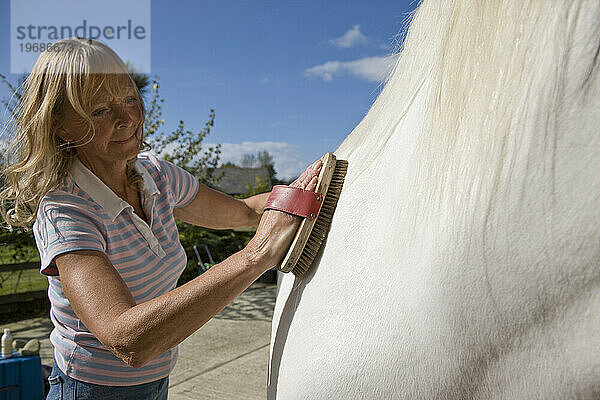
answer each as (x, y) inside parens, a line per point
(102, 194)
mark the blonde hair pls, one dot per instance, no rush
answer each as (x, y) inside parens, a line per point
(71, 72)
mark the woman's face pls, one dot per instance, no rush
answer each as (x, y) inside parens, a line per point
(116, 118)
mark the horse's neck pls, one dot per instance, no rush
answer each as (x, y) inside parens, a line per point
(496, 296)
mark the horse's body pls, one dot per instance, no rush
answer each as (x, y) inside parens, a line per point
(463, 261)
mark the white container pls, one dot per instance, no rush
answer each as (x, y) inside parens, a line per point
(7, 340)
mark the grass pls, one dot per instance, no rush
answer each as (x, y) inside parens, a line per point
(15, 250)
(9, 255)
(20, 281)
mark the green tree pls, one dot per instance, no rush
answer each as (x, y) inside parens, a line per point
(14, 90)
(265, 160)
(261, 159)
(260, 186)
(142, 81)
(248, 160)
(182, 147)
(153, 113)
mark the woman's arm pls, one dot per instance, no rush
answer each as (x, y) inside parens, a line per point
(138, 333)
(216, 210)
(256, 203)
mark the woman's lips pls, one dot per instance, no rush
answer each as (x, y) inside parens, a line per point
(126, 140)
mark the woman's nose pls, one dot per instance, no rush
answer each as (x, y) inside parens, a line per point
(123, 117)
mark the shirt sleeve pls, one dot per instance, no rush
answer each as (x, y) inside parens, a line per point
(61, 228)
(183, 185)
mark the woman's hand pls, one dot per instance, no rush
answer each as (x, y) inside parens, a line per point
(106, 306)
(276, 229)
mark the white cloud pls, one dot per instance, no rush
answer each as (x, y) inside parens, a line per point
(325, 71)
(286, 156)
(288, 163)
(351, 38)
(372, 69)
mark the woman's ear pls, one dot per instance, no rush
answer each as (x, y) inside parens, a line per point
(59, 129)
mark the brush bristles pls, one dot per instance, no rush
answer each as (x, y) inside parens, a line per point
(323, 221)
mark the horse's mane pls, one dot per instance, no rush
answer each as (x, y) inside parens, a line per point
(495, 76)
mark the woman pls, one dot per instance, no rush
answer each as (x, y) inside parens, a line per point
(105, 230)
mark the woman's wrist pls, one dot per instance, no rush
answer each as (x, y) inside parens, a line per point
(256, 256)
(255, 216)
(256, 205)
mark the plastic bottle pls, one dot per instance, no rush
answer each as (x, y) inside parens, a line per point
(7, 340)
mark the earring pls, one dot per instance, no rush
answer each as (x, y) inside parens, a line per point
(69, 146)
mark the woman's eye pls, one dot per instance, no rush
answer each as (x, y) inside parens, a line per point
(99, 112)
(131, 100)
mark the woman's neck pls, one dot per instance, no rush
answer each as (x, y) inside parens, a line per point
(113, 174)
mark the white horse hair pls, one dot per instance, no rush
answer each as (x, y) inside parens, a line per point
(463, 260)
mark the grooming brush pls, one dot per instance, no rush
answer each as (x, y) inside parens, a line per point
(311, 233)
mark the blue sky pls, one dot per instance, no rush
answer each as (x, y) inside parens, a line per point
(289, 77)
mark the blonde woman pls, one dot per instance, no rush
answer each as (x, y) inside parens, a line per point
(105, 230)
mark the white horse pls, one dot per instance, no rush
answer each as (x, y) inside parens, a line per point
(463, 261)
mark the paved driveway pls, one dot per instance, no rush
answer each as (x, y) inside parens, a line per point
(225, 359)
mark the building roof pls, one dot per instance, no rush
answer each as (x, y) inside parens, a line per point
(236, 179)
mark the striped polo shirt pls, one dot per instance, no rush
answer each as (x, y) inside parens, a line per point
(83, 213)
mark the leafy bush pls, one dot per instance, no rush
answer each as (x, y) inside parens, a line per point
(221, 243)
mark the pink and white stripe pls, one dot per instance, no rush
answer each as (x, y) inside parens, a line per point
(83, 213)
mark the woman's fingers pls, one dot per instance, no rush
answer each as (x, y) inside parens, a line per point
(308, 175)
(312, 185)
(300, 181)
(276, 229)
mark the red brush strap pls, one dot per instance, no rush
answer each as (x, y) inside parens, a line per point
(293, 200)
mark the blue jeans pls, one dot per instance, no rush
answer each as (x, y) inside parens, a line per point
(63, 387)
